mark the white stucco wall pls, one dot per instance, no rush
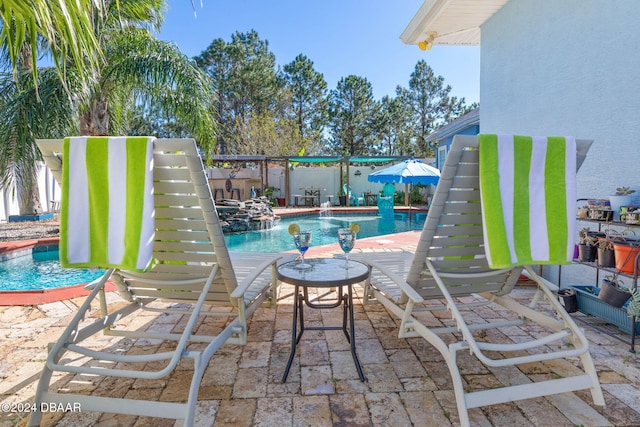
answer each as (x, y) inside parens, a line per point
(49, 191)
(568, 67)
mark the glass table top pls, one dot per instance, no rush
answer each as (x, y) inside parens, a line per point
(323, 272)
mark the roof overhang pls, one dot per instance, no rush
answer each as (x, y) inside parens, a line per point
(450, 22)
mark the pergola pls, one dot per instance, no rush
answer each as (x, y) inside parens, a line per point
(263, 161)
(343, 160)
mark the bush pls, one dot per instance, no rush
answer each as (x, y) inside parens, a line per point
(416, 196)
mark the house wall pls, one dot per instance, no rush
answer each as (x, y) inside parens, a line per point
(444, 144)
(48, 188)
(567, 67)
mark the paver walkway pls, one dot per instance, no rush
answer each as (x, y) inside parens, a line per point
(407, 381)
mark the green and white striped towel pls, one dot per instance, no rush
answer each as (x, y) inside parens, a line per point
(107, 206)
(528, 193)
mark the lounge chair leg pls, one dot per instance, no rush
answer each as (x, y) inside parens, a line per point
(590, 369)
(458, 387)
(368, 292)
(43, 386)
(274, 285)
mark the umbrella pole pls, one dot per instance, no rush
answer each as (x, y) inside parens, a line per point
(410, 204)
(406, 195)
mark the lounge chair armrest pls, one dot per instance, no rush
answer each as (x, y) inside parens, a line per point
(100, 281)
(402, 284)
(257, 271)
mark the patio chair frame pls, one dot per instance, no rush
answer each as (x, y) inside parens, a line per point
(194, 275)
(450, 264)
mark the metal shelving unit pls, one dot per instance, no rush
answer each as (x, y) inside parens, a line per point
(634, 277)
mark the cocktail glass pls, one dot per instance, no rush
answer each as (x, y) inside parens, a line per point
(347, 240)
(302, 241)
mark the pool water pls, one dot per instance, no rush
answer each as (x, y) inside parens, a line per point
(41, 270)
(324, 231)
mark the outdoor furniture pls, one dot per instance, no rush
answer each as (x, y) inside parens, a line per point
(193, 276)
(450, 265)
(308, 200)
(215, 193)
(370, 199)
(325, 273)
(408, 172)
(386, 201)
(357, 201)
(312, 195)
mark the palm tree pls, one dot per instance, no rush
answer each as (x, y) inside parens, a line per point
(141, 70)
(64, 24)
(24, 112)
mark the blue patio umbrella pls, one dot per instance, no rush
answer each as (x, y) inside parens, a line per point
(410, 171)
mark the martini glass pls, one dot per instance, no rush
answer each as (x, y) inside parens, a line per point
(302, 241)
(347, 240)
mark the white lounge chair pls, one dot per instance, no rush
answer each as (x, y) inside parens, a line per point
(194, 270)
(450, 263)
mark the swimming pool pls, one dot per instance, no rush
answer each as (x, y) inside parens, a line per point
(324, 231)
(41, 270)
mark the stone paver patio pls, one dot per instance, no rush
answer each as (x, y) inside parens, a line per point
(407, 382)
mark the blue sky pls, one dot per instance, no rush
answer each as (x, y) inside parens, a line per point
(341, 37)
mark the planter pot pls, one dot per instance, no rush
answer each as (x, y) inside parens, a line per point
(589, 303)
(632, 218)
(624, 211)
(342, 200)
(606, 258)
(281, 201)
(568, 299)
(617, 202)
(601, 214)
(587, 253)
(612, 294)
(625, 257)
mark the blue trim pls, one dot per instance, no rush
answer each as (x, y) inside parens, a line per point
(37, 217)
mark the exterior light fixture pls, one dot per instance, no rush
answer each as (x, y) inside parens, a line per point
(373, 167)
(427, 43)
(358, 173)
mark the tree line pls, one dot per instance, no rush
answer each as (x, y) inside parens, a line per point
(262, 109)
(113, 76)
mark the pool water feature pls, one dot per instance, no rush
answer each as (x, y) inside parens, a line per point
(41, 270)
(324, 231)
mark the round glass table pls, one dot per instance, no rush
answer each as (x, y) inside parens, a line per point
(323, 273)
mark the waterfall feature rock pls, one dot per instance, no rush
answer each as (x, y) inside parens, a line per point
(250, 215)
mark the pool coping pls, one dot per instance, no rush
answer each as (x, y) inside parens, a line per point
(39, 296)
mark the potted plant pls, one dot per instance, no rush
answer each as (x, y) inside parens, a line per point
(587, 247)
(612, 292)
(633, 309)
(606, 248)
(631, 215)
(606, 254)
(583, 212)
(269, 191)
(622, 197)
(342, 198)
